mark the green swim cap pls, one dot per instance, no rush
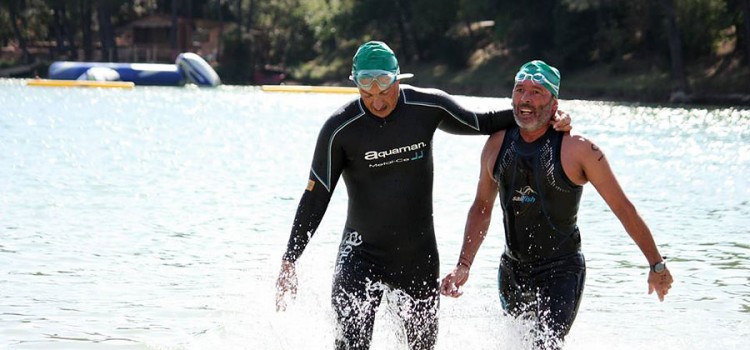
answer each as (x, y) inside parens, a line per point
(376, 55)
(541, 73)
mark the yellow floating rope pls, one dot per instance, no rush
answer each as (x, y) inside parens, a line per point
(81, 83)
(307, 88)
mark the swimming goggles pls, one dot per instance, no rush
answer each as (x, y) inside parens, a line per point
(536, 77)
(365, 78)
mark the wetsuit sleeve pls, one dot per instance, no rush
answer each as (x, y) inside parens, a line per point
(461, 121)
(327, 164)
(310, 212)
(492, 122)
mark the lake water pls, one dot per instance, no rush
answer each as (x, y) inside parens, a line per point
(155, 218)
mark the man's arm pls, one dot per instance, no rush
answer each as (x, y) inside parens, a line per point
(494, 121)
(325, 171)
(477, 221)
(460, 121)
(597, 170)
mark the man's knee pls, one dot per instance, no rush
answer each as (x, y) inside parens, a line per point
(421, 323)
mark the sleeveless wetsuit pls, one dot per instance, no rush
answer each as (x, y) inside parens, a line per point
(542, 270)
(388, 240)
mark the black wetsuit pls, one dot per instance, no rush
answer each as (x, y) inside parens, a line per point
(388, 240)
(542, 271)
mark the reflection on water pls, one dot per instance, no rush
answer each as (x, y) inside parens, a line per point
(155, 218)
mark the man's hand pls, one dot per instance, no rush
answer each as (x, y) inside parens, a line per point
(660, 282)
(287, 282)
(451, 285)
(561, 121)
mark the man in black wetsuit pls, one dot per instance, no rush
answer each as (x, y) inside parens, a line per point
(539, 175)
(382, 145)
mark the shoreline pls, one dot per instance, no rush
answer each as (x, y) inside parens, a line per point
(693, 100)
(702, 100)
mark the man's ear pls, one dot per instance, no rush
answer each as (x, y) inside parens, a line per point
(554, 106)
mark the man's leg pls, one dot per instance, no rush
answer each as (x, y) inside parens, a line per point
(417, 298)
(421, 321)
(548, 295)
(355, 303)
(510, 289)
(560, 293)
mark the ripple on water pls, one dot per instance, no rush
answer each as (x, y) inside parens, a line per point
(156, 218)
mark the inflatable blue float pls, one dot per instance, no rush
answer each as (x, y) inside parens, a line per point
(188, 68)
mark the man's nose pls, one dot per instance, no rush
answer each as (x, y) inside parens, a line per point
(526, 96)
(378, 102)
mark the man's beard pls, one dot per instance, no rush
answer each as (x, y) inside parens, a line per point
(538, 118)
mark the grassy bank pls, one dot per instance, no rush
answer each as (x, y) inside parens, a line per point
(724, 82)
(710, 85)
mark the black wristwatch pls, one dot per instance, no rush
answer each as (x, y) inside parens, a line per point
(659, 267)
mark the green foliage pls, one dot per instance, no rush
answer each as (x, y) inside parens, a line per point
(431, 19)
(314, 40)
(236, 66)
(573, 43)
(713, 17)
(531, 32)
(37, 15)
(6, 33)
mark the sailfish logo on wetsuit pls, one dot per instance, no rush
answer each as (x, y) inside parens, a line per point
(525, 195)
(351, 240)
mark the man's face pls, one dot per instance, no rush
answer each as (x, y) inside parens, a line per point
(533, 105)
(380, 102)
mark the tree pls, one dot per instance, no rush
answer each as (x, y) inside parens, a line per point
(238, 4)
(13, 9)
(675, 48)
(220, 16)
(84, 8)
(63, 31)
(250, 13)
(106, 31)
(408, 38)
(174, 29)
(746, 26)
